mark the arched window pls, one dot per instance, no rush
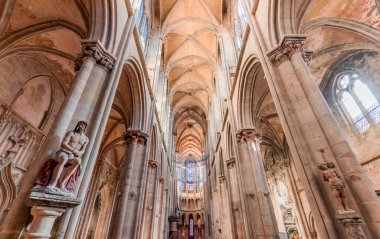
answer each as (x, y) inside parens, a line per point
(357, 101)
(240, 23)
(142, 24)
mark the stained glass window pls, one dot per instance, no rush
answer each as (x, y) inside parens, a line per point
(144, 34)
(190, 177)
(198, 172)
(237, 33)
(358, 101)
(140, 14)
(243, 18)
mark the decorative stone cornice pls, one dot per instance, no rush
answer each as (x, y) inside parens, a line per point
(249, 134)
(289, 45)
(136, 136)
(152, 164)
(231, 163)
(95, 50)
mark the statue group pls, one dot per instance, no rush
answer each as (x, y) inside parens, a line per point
(59, 175)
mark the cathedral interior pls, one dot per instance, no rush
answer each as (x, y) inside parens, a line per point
(190, 119)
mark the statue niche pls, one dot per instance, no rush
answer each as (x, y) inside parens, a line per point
(59, 175)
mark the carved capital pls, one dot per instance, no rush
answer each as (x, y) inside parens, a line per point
(152, 164)
(94, 50)
(289, 45)
(231, 163)
(222, 179)
(249, 134)
(307, 56)
(136, 136)
(161, 179)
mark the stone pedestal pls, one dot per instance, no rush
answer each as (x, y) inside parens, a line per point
(173, 224)
(351, 222)
(46, 208)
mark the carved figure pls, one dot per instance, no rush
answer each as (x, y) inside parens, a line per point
(10, 154)
(336, 185)
(66, 164)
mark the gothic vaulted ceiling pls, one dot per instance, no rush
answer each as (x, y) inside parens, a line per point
(189, 32)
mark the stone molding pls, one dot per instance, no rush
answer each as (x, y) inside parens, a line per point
(231, 163)
(136, 136)
(152, 164)
(289, 45)
(94, 49)
(249, 135)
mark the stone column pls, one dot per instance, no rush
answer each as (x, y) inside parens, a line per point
(126, 220)
(92, 54)
(255, 189)
(150, 196)
(237, 217)
(225, 209)
(320, 138)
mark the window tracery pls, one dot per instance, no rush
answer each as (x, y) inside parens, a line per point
(357, 101)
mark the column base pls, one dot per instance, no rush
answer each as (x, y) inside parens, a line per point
(46, 208)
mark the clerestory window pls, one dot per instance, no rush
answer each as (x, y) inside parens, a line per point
(240, 23)
(142, 24)
(357, 101)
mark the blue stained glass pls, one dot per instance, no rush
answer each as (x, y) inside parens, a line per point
(144, 34)
(140, 14)
(190, 177)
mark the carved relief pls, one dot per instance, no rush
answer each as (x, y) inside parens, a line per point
(19, 144)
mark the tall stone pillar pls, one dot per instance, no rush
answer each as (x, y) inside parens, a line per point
(320, 138)
(127, 207)
(150, 200)
(261, 222)
(93, 54)
(237, 211)
(225, 209)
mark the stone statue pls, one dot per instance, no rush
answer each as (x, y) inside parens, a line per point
(336, 185)
(60, 174)
(72, 148)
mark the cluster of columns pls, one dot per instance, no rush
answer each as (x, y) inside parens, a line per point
(86, 98)
(315, 138)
